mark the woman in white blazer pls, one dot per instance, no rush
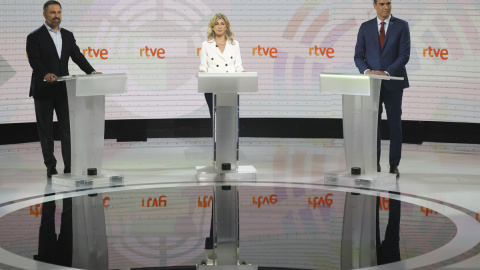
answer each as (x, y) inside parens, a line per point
(220, 53)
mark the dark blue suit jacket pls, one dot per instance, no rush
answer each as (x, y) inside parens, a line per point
(394, 55)
(43, 58)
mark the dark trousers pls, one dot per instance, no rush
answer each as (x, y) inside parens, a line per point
(50, 249)
(388, 250)
(209, 100)
(44, 113)
(393, 106)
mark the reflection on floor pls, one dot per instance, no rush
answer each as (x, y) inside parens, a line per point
(287, 217)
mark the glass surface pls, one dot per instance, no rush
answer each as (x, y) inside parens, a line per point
(289, 228)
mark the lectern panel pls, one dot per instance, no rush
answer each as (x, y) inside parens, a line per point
(350, 84)
(345, 84)
(227, 82)
(96, 85)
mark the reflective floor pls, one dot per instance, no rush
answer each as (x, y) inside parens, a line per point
(288, 218)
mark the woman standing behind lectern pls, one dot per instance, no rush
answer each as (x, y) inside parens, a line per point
(220, 53)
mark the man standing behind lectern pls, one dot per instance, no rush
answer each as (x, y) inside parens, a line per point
(383, 48)
(49, 49)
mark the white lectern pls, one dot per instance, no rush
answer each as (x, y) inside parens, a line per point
(86, 102)
(360, 104)
(360, 99)
(225, 88)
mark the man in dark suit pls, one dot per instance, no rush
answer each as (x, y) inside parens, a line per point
(49, 49)
(383, 48)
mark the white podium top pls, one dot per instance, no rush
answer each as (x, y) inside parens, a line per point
(222, 83)
(350, 84)
(96, 84)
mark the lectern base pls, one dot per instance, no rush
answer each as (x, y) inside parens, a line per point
(227, 267)
(344, 178)
(242, 173)
(106, 178)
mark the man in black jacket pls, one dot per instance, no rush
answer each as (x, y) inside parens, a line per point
(49, 49)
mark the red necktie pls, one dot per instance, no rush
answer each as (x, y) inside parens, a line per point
(382, 35)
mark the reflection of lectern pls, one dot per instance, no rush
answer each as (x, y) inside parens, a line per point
(361, 95)
(225, 87)
(90, 243)
(86, 102)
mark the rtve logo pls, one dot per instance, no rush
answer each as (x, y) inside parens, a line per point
(91, 52)
(321, 201)
(443, 53)
(207, 200)
(322, 51)
(267, 51)
(427, 211)
(37, 211)
(272, 199)
(152, 52)
(154, 202)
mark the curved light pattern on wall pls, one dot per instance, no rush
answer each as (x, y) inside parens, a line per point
(287, 42)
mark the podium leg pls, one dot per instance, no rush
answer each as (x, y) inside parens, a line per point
(225, 133)
(360, 120)
(87, 125)
(225, 229)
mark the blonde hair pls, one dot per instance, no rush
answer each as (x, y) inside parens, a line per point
(228, 33)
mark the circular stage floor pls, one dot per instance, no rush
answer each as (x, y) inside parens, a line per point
(160, 216)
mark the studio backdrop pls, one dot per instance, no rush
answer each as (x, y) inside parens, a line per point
(289, 43)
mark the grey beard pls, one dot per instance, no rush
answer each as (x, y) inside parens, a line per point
(55, 23)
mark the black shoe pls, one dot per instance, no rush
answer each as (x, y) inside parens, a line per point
(394, 169)
(67, 170)
(379, 168)
(51, 171)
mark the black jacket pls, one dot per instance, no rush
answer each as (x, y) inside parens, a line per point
(43, 58)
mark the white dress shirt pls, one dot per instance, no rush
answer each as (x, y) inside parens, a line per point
(213, 60)
(385, 27)
(57, 38)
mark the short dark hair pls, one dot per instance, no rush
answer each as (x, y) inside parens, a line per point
(52, 2)
(375, 2)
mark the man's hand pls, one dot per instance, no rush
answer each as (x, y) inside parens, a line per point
(50, 77)
(381, 73)
(376, 72)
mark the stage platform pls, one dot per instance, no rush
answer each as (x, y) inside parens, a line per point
(159, 216)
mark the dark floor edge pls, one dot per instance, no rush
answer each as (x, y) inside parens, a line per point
(414, 132)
